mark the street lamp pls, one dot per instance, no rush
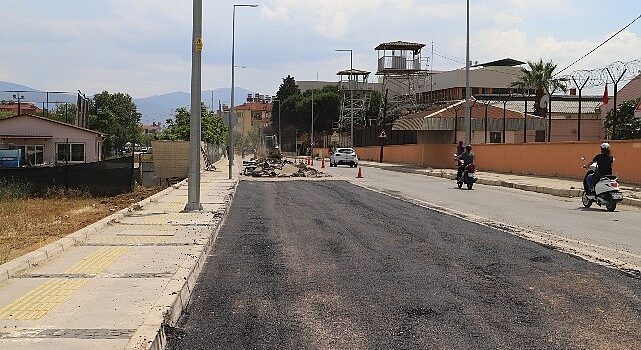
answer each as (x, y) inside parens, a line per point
(19, 98)
(193, 189)
(231, 110)
(351, 94)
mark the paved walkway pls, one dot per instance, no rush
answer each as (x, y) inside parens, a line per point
(554, 186)
(114, 284)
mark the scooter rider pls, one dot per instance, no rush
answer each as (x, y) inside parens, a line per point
(460, 149)
(604, 162)
(467, 157)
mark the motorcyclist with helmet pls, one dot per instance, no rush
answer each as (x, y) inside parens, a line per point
(604, 162)
(467, 157)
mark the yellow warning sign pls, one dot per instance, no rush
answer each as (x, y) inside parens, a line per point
(199, 44)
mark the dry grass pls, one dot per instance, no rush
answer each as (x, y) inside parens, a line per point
(30, 223)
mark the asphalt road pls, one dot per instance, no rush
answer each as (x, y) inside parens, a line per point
(329, 265)
(560, 216)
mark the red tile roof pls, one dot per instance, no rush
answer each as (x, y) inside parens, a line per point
(255, 107)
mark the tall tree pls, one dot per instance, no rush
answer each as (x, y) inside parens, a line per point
(287, 90)
(213, 130)
(116, 116)
(628, 127)
(539, 76)
(65, 113)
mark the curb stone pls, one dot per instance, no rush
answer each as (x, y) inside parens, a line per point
(37, 257)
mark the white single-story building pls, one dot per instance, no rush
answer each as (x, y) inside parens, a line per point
(47, 142)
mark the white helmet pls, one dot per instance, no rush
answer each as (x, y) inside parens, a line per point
(605, 145)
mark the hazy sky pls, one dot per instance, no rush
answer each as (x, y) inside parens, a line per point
(143, 47)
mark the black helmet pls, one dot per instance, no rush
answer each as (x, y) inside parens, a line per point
(468, 147)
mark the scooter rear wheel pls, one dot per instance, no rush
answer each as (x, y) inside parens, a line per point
(587, 202)
(611, 206)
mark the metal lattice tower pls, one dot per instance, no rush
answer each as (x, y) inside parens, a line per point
(356, 95)
(400, 67)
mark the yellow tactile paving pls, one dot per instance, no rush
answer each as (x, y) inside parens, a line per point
(41, 300)
(121, 239)
(98, 261)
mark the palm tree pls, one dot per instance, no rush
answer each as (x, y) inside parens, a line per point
(539, 77)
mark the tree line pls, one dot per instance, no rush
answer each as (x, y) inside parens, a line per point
(295, 109)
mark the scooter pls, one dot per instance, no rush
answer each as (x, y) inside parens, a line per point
(606, 191)
(468, 175)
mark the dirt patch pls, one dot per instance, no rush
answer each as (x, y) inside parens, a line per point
(28, 224)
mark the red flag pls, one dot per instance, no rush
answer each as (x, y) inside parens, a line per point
(606, 98)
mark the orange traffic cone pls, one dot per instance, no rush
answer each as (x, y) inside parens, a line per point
(360, 173)
(323, 163)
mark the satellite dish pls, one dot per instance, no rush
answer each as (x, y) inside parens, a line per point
(545, 101)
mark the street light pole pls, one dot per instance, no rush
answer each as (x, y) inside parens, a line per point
(351, 94)
(193, 191)
(468, 112)
(231, 110)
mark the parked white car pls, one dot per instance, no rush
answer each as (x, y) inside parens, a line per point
(343, 156)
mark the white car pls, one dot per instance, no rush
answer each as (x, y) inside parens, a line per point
(343, 156)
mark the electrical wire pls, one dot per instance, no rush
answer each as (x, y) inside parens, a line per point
(596, 48)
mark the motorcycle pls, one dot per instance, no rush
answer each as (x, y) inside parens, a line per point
(606, 191)
(468, 174)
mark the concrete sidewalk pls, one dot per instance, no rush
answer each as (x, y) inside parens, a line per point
(117, 284)
(554, 186)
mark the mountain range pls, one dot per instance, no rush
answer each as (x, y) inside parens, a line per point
(153, 108)
(158, 108)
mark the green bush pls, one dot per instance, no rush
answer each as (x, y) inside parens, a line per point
(14, 190)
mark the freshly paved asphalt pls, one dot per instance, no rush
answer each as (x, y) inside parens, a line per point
(565, 217)
(328, 265)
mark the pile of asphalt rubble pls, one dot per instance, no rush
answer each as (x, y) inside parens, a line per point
(278, 168)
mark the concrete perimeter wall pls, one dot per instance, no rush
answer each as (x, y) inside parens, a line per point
(557, 159)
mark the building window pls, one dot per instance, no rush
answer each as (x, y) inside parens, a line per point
(32, 154)
(70, 152)
(495, 137)
(539, 136)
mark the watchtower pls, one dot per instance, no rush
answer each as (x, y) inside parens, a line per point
(400, 67)
(356, 95)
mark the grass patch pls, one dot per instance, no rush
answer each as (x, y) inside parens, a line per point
(30, 223)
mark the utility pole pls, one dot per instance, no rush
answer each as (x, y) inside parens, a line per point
(193, 200)
(311, 138)
(468, 113)
(233, 68)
